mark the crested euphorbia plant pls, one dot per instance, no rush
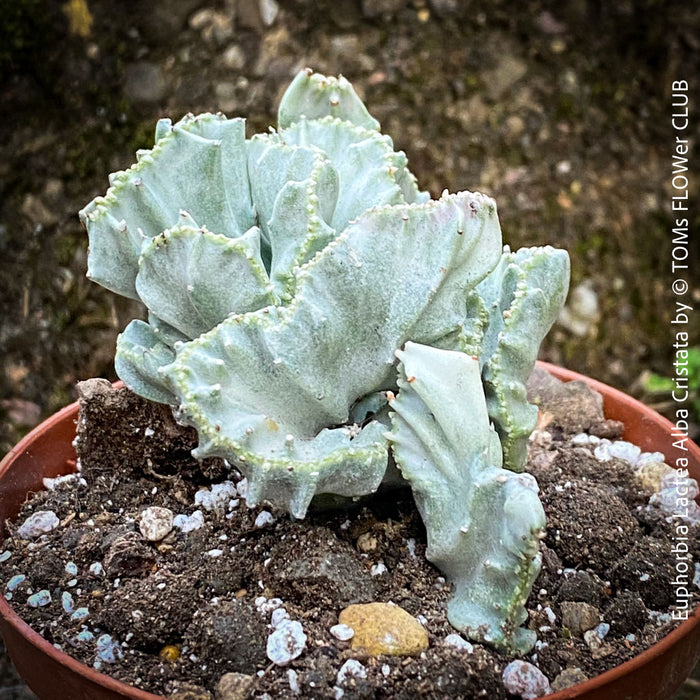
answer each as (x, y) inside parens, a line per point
(315, 316)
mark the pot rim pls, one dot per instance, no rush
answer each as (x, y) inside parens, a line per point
(103, 679)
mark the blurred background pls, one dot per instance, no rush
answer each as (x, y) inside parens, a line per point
(559, 110)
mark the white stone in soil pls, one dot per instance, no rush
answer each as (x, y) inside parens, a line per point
(293, 680)
(593, 640)
(378, 569)
(67, 602)
(278, 616)
(650, 458)
(15, 581)
(71, 568)
(96, 569)
(352, 668)
(602, 452)
(38, 523)
(625, 450)
(342, 632)
(39, 599)
(188, 523)
(602, 629)
(458, 642)
(265, 606)
(676, 498)
(217, 497)
(268, 11)
(581, 439)
(525, 680)
(80, 614)
(84, 636)
(108, 649)
(156, 523)
(50, 484)
(264, 518)
(286, 643)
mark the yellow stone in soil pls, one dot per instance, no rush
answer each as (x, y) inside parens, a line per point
(381, 628)
(650, 475)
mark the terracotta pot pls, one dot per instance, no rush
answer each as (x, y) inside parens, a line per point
(47, 451)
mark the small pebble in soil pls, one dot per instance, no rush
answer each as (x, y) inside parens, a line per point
(278, 616)
(39, 599)
(51, 484)
(675, 489)
(234, 686)
(72, 568)
(342, 632)
(593, 640)
(82, 637)
(15, 581)
(602, 452)
(650, 475)
(217, 497)
(264, 519)
(169, 653)
(567, 678)
(156, 523)
(188, 523)
(80, 614)
(378, 569)
(602, 629)
(286, 643)
(38, 523)
(524, 680)
(352, 668)
(108, 649)
(650, 458)
(579, 617)
(96, 569)
(190, 691)
(265, 606)
(625, 450)
(381, 628)
(456, 641)
(67, 602)
(293, 680)
(5, 556)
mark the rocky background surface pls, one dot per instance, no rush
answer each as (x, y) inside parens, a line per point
(561, 111)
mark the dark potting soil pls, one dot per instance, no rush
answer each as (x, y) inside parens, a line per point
(173, 616)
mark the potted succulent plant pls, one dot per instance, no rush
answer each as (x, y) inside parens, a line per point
(326, 328)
